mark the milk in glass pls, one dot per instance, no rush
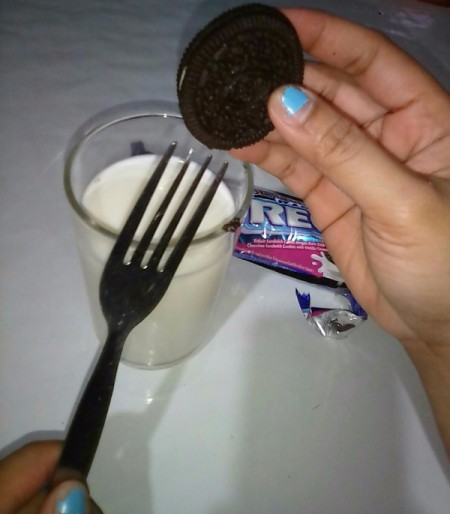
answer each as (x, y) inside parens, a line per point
(180, 321)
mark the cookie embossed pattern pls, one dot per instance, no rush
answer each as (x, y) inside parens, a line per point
(229, 70)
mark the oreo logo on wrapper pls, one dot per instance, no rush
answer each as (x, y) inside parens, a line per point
(229, 70)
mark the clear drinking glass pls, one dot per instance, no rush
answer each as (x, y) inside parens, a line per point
(178, 326)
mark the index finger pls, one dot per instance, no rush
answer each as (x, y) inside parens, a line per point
(25, 472)
(389, 75)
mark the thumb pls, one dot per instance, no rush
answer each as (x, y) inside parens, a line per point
(70, 497)
(340, 150)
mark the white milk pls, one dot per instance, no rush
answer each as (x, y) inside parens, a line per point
(177, 326)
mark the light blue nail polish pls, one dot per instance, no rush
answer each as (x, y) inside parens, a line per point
(293, 99)
(73, 503)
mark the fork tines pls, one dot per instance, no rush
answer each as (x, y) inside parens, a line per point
(128, 232)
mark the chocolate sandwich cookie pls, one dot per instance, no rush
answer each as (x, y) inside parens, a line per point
(229, 70)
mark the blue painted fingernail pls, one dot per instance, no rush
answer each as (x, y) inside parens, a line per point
(73, 503)
(293, 99)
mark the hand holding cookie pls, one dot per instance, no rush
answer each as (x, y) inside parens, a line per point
(366, 145)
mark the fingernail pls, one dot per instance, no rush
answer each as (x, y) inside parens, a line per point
(294, 100)
(73, 503)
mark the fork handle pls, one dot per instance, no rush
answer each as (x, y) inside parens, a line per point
(87, 423)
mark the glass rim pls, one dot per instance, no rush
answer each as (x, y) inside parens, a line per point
(125, 112)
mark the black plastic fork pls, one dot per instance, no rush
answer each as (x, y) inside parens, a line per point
(129, 292)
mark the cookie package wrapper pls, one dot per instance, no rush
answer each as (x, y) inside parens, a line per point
(329, 322)
(277, 233)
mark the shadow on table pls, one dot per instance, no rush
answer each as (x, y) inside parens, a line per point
(126, 443)
(324, 430)
(125, 449)
(31, 437)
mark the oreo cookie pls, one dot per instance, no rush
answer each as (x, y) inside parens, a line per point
(229, 70)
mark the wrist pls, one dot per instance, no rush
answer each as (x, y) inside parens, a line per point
(433, 366)
(424, 353)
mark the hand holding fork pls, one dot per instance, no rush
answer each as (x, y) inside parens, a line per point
(129, 292)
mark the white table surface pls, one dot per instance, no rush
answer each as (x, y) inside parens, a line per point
(269, 417)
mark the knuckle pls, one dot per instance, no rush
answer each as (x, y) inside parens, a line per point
(360, 63)
(339, 142)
